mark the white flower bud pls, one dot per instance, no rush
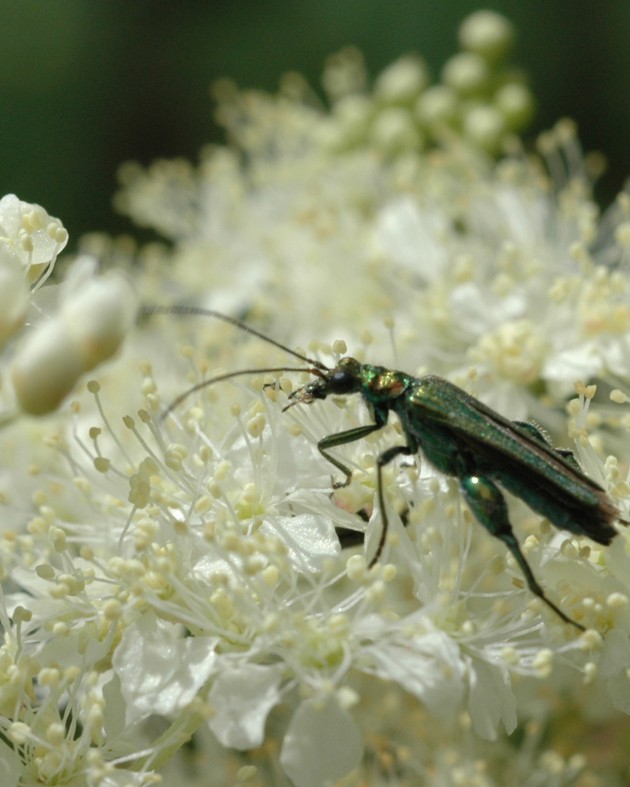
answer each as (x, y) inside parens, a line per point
(402, 81)
(487, 33)
(87, 331)
(437, 105)
(394, 130)
(516, 104)
(467, 73)
(46, 369)
(484, 125)
(97, 320)
(352, 115)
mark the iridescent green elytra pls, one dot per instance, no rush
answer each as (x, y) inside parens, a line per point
(460, 437)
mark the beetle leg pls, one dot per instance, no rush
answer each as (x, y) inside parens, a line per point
(540, 435)
(341, 438)
(384, 459)
(489, 507)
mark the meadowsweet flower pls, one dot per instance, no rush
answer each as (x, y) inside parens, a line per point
(31, 236)
(80, 325)
(176, 572)
(30, 241)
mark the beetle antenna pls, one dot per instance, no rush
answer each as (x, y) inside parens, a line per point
(228, 376)
(201, 312)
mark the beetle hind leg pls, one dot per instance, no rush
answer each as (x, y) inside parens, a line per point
(488, 506)
(535, 431)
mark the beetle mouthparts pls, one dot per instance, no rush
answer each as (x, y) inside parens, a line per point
(300, 396)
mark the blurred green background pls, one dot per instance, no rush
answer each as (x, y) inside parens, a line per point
(88, 84)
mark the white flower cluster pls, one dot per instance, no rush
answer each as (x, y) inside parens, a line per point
(30, 240)
(176, 574)
(84, 328)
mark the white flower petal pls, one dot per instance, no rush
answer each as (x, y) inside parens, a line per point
(577, 363)
(619, 692)
(123, 777)
(428, 666)
(613, 667)
(491, 700)
(321, 744)
(242, 698)
(412, 238)
(475, 314)
(10, 766)
(616, 654)
(114, 714)
(13, 293)
(160, 672)
(310, 539)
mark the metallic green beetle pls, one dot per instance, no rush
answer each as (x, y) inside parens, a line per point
(461, 437)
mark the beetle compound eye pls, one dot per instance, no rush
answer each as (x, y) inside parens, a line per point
(341, 382)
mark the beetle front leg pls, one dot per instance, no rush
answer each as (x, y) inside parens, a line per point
(488, 506)
(341, 438)
(350, 436)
